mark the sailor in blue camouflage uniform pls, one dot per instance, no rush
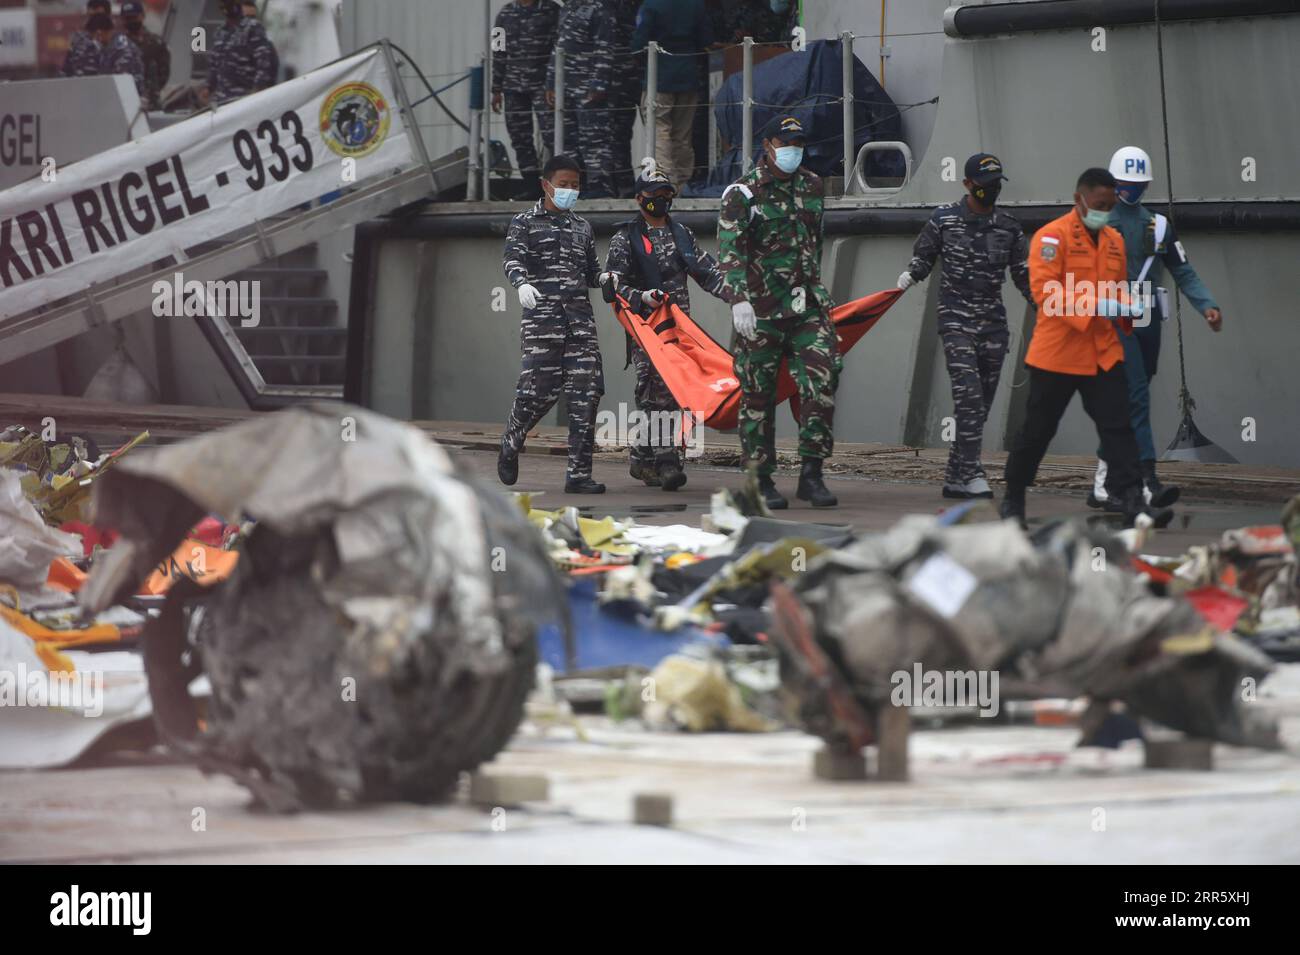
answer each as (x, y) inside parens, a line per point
(242, 58)
(83, 55)
(112, 53)
(627, 73)
(82, 58)
(978, 244)
(584, 36)
(550, 259)
(650, 259)
(519, 81)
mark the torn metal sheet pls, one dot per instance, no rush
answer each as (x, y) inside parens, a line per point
(1057, 615)
(377, 635)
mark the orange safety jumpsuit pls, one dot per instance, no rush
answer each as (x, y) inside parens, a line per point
(1066, 271)
(1074, 350)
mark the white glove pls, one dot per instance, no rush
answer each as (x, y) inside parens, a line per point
(604, 277)
(654, 298)
(528, 296)
(744, 319)
(905, 281)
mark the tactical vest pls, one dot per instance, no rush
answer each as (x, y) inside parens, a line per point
(645, 270)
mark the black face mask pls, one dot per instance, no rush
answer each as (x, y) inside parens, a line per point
(133, 26)
(656, 206)
(987, 195)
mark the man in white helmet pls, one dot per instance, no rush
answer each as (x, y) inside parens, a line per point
(1150, 245)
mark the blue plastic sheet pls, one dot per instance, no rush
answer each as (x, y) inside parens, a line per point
(606, 639)
(808, 85)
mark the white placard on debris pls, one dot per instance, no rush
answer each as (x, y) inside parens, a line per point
(943, 584)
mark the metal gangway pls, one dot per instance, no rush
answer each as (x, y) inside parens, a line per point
(218, 257)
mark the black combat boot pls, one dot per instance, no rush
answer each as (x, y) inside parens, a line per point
(773, 498)
(507, 464)
(583, 486)
(1013, 506)
(1132, 504)
(671, 476)
(811, 487)
(1161, 495)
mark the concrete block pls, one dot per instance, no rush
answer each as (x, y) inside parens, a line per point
(500, 789)
(652, 809)
(893, 729)
(1180, 754)
(838, 766)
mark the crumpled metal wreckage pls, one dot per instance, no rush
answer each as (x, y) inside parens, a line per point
(378, 636)
(1059, 614)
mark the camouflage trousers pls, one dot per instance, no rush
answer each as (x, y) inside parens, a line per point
(572, 134)
(624, 120)
(974, 365)
(520, 106)
(808, 344)
(550, 366)
(652, 395)
(595, 144)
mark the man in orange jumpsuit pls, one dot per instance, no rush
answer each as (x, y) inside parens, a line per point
(1078, 276)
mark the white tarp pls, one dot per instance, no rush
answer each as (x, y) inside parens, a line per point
(27, 544)
(202, 178)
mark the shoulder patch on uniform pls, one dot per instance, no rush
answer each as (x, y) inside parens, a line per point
(1051, 239)
(1048, 249)
(748, 193)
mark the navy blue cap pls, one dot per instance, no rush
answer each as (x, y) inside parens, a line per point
(652, 178)
(984, 168)
(785, 128)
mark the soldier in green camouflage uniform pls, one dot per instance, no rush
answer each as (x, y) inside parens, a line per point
(770, 243)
